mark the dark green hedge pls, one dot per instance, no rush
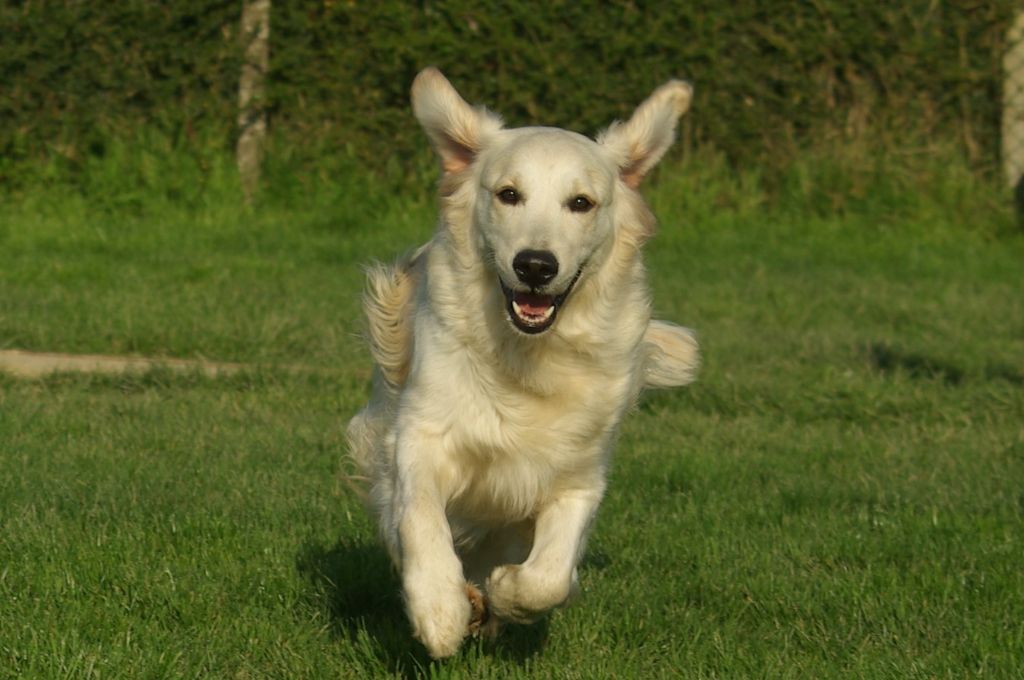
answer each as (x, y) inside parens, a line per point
(768, 74)
(73, 74)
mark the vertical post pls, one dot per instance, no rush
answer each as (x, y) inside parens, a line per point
(252, 116)
(1013, 103)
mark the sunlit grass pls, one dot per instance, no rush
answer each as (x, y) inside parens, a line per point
(840, 495)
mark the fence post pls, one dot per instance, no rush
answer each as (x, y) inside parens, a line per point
(252, 116)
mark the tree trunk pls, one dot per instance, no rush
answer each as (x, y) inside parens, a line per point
(1013, 103)
(252, 116)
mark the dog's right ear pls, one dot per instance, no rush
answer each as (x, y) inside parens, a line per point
(457, 131)
(640, 142)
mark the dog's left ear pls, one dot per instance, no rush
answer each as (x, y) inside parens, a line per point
(457, 131)
(639, 143)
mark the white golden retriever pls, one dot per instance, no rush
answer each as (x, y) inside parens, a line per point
(508, 349)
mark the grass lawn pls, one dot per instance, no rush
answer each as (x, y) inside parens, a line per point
(840, 495)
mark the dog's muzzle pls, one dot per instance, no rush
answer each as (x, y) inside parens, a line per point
(534, 311)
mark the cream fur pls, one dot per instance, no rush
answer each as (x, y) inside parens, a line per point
(487, 448)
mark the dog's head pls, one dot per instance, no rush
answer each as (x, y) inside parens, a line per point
(544, 202)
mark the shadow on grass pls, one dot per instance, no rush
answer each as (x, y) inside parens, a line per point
(357, 587)
(890, 359)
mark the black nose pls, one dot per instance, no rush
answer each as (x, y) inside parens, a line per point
(535, 267)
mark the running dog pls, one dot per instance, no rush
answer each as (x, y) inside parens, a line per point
(508, 349)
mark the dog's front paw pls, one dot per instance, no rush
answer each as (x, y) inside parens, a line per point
(440, 618)
(518, 594)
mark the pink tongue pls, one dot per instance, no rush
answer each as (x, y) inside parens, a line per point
(533, 305)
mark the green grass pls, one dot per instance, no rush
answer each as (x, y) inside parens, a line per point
(840, 495)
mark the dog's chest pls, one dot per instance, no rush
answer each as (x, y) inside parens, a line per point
(511, 447)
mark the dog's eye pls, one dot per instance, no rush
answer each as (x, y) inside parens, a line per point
(509, 196)
(580, 204)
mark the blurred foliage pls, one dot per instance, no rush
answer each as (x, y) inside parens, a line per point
(76, 75)
(770, 77)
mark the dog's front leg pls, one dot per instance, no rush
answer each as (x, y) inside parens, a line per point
(432, 577)
(524, 592)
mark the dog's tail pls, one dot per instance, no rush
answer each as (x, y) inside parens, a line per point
(671, 355)
(387, 304)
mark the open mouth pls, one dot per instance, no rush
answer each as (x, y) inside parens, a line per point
(533, 312)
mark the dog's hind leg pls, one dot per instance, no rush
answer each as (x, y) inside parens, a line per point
(508, 544)
(671, 355)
